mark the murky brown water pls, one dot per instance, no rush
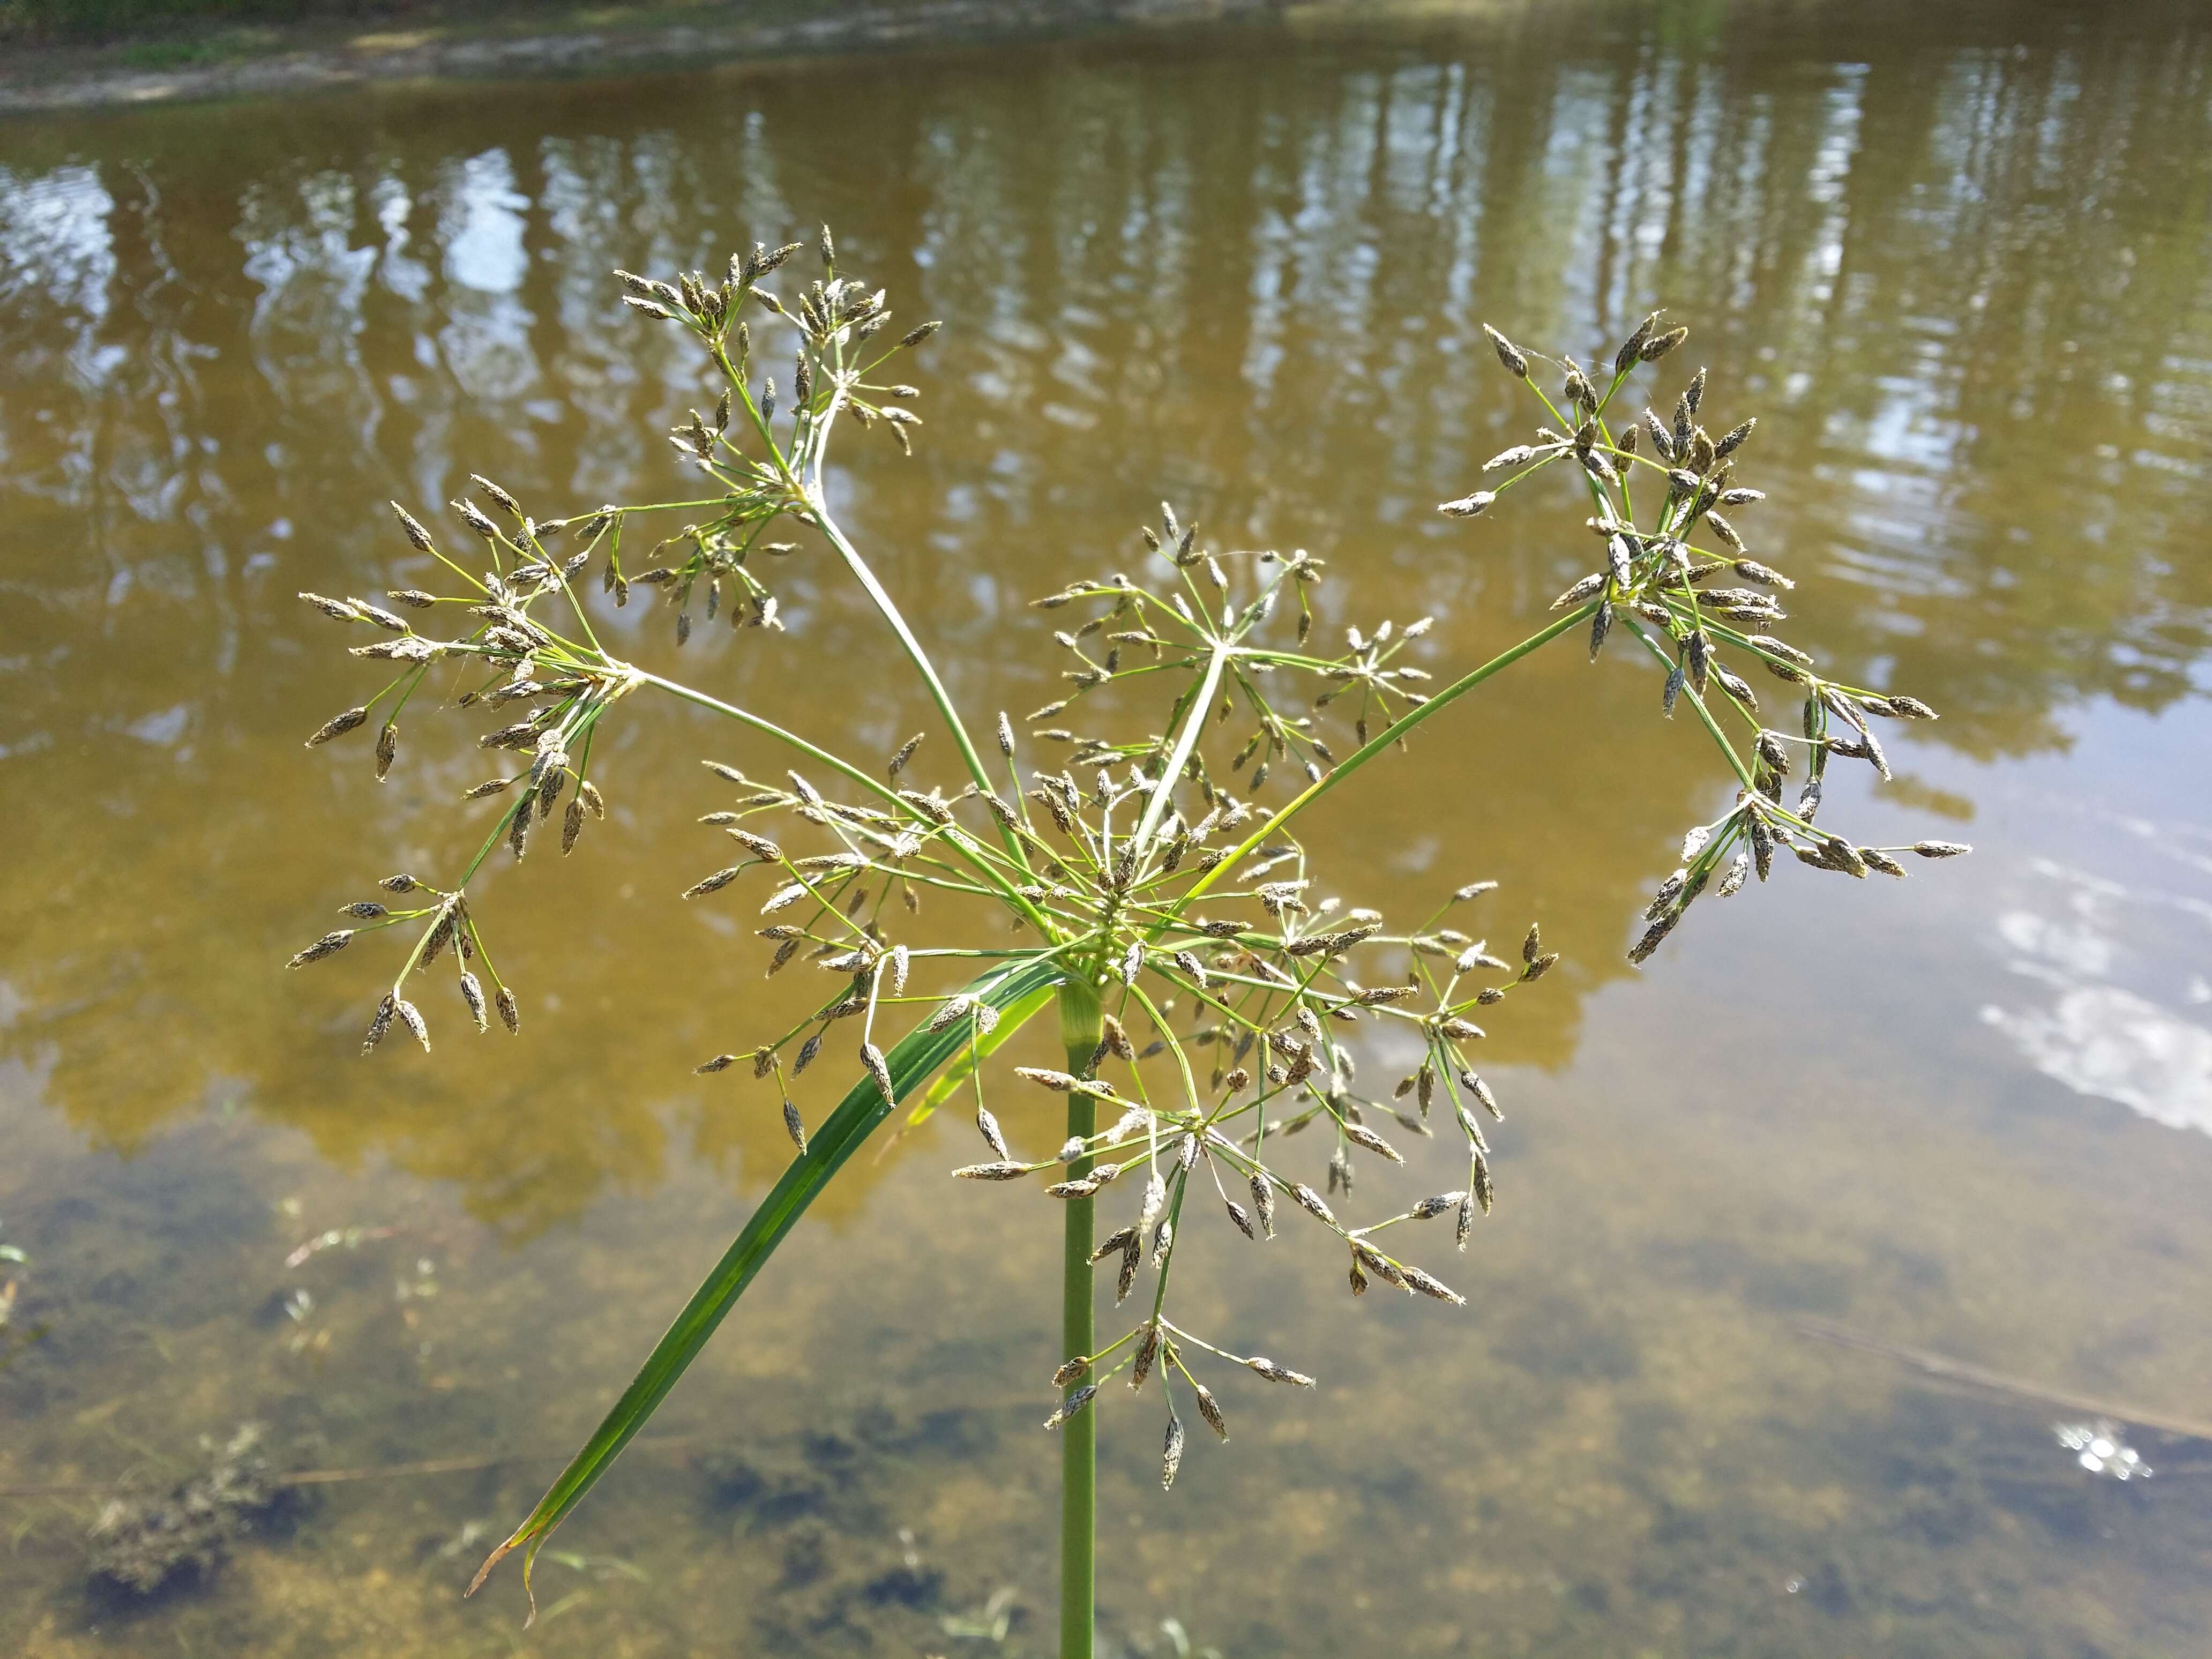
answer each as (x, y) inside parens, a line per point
(1959, 261)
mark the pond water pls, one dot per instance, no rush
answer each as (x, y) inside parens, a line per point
(1956, 259)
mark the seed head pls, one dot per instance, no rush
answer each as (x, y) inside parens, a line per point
(1626, 359)
(328, 946)
(336, 609)
(379, 1022)
(1310, 1202)
(1263, 1203)
(1430, 1285)
(1148, 1349)
(873, 1058)
(1117, 1040)
(1360, 1135)
(1074, 1403)
(337, 725)
(415, 533)
(1003, 1170)
(472, 994)
(1516, 365)
(1210, 1409)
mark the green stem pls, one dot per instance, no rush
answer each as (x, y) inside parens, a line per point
(846, 770)
(882, 600)
(1381, 740)
(1698, 702)
(1201, 706)
(816, 500)
(1081, 1029)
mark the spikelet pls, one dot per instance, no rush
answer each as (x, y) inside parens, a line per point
(1074, 1403)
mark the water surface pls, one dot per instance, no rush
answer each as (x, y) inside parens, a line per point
(1960, 262)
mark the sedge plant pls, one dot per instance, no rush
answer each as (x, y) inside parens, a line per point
(1146, 883)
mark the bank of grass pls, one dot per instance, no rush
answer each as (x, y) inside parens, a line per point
(76, 54)
(162, 32)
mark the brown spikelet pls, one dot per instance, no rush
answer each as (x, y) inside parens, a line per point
(329, 944)
(1002, 1169)
(416, 534)
(379, 1022)
(1210, 1409)
(337, 725)
(1148, 1349)
(1074, 1403)
(1263, 1203)
(873, 1058)
(472, 994)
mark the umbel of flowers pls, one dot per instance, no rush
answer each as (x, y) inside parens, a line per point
(1135, 865)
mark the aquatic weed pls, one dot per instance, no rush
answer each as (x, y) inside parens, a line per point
(1207, 982)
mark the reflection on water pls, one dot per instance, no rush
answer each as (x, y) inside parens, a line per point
(2100, 1037)
(1960, 266)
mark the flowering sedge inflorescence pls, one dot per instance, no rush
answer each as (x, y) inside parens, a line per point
(546, 678)
(1680, 587)
(1141, 871)
(1151, 876)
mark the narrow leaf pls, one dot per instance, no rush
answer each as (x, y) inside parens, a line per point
(912, 1061)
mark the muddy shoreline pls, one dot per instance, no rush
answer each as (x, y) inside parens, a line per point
(310, 57)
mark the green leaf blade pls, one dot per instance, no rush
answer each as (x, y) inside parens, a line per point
(913, 1061)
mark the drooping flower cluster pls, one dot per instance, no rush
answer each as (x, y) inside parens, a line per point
(1689, 590)
(1195, 917)
(547, 677)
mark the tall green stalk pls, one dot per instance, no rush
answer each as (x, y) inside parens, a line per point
(1081, 1029)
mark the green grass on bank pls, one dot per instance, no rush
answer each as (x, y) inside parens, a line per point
(166, 32)
(74, 21)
